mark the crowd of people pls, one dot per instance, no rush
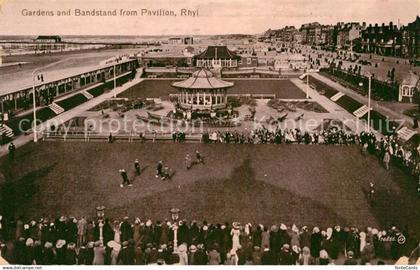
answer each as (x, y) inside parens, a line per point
(264, 136)
(71, 241)
(387, 148)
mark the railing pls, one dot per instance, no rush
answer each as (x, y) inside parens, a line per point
(120, 137)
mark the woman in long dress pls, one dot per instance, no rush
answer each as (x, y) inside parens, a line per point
(235, 233)
(117, 232)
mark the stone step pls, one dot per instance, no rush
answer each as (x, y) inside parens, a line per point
(6, 130)
(361, 111)
(57, 109)
(337, 96)
(87, 94)
(406, 133)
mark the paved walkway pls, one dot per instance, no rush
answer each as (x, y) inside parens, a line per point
(339, 113)
(392, 114)
(67, 115)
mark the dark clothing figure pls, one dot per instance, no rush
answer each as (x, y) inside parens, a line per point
(159, 169)
(137, 166)
(12, 149)
(124, 177)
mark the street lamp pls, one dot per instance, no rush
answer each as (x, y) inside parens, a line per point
(175, 216)
(115, 77)
(100, 212)
(369, 94)
(38, 76)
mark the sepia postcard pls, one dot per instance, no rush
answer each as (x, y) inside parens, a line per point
(209, 132)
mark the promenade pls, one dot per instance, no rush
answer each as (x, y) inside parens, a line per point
(66, 116)
(392, 114)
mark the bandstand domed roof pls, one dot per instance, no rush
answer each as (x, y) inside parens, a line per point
(202, 79)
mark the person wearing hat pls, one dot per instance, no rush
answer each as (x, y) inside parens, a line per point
(81, 231)
(285, 255)
(199, 158)
(306, 258)
(350, 259)
(159, 168)
(265, 238)
(137, 166)
(60, 250)
(48, 257)
(126, 230)
(29, 252)
(256, 256)
(139, 255)
(235, 233)
(115, 250)
(124, 176)
(214, 257)
(136, 230)
(182, 253)
(70, 254)
(191, 255)
(12, 149)
(99, 254)
(71, 230)
(188, 162)
(316, 240)
(201, 257)
(323, 257)
(269, 257)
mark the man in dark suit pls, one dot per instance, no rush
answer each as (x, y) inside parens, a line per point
(125, 179)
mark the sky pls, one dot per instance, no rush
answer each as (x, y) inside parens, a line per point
(214, 16)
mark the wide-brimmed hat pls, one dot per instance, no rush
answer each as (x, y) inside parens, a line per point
(48, 245)
(62, 218)
(29, 242)
(60, 243)
(90, 244)
(283, 227)
(323, 254)
(98, 243)
(182, 248)
(193, 248)
(236, 225)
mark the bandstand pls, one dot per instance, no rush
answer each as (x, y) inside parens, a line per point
(202, 92)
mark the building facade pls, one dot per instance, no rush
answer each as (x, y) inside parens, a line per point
(382, 39)
(216, 57)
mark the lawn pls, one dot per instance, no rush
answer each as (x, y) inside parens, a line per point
(284, 89)
(302, 184)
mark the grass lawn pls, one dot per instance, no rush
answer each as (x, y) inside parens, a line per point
(306, 185)
(159, 88)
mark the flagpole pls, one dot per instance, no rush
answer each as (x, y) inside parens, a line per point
(34, 106)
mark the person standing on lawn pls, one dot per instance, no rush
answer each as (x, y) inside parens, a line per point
(159, 168)
(188, 162)
(125, 179)
(199, 157)
(137, 166)
(386, 160)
